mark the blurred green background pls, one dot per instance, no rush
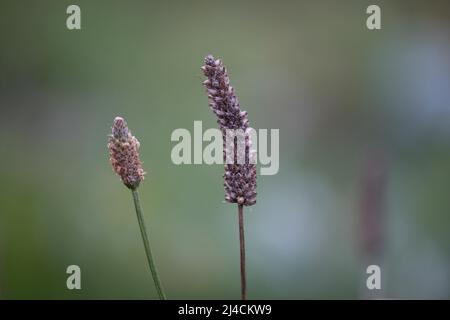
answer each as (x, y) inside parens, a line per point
(340, 94)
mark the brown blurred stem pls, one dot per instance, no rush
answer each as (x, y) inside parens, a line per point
(242, 247)
(148, 250)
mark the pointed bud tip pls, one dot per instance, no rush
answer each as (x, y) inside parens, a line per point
(120, 128)
(119, 119)
(210, 60)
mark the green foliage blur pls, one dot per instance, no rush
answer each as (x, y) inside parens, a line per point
(338, 92)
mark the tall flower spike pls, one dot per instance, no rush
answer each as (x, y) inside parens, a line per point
(124, 154)
(240, 179)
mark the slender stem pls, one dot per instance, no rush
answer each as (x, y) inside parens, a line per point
(242, 247)
(148, 250)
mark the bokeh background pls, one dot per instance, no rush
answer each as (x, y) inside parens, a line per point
(364, 119)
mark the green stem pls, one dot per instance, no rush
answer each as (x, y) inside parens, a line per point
(148, 250)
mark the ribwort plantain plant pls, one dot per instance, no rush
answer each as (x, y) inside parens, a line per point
(124, 156)
(239, 178)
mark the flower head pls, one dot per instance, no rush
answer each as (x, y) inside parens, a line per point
(124, 154)
(239, 179)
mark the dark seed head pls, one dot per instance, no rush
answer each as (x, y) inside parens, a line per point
(240, 179)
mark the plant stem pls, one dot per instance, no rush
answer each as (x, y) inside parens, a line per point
(242, 247)
(148, 250)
